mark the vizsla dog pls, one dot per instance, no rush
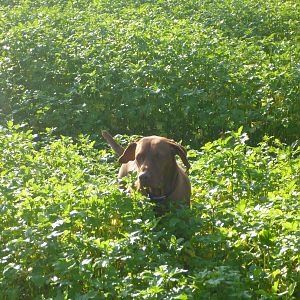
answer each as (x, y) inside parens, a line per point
(159, 175)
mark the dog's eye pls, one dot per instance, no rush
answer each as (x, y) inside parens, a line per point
(139, 158)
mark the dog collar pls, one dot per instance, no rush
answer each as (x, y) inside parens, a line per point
(157, 198)
(163, 197)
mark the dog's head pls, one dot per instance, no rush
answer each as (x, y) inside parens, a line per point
(155, 161)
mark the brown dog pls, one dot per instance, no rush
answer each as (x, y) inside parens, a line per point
(159, 175)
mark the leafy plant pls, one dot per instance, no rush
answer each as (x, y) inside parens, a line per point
(132, 66)
(68, 232)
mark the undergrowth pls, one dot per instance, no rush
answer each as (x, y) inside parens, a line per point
(67, 232)
(132, 66)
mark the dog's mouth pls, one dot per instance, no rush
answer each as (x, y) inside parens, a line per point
(151, 191)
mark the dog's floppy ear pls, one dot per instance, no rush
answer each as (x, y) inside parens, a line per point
(181, 152)
(128, 154)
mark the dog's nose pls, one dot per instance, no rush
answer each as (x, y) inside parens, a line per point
(144, 177)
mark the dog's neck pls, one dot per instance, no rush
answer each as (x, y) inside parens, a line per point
(167, 190)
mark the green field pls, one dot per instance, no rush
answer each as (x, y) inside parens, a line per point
(222, 77)
(67, 232)
(134, 66)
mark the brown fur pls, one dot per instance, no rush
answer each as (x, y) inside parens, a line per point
(153, 158)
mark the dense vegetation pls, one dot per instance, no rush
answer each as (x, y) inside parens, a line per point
(170, 67)
(220, 74)
(67, 232)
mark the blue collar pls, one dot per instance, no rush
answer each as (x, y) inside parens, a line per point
(157, 198)
(162, 198)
